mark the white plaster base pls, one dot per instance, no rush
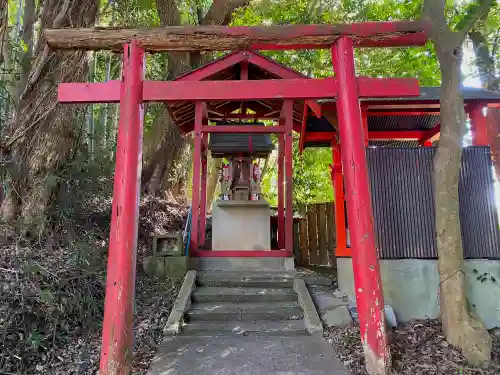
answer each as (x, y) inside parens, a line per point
(241, 225)
(411, 287)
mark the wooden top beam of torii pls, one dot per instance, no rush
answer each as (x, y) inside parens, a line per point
(223, 38)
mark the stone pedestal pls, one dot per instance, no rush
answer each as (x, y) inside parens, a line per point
(241, 225)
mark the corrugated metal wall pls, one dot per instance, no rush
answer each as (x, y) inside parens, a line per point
(403, 204)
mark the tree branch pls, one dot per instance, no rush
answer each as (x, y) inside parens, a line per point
(37, 70)
(494, 45)
(484, 60)
(220, 12)
(480, 10)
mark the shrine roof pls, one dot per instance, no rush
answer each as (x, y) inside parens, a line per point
(431, 94)
(248, 65)
(404, 114)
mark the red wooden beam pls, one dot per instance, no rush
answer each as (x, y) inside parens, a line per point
(213, 67)
(367, 278)
(364, 119)
(117, 332)
(195, 195)
(319, 136)
(240, 116)
(173, 91)
(479, 125)
(303, 127)
(379, 135)
(203, 191)
(402, 113)
(101, 92)
(280, 186)
(243, 77)
(315, 107)
(242, 129)
(338, 188)
(188, 126)
(274, 89)
(400, 135)
(429, 136)
(387, 87)
(288, 112)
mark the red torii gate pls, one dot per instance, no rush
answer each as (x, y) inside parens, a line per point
(132, 91)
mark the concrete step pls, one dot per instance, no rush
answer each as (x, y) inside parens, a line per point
(244, 279)
(227, 311)
(243, 264)
(228, 294)
(258, 328)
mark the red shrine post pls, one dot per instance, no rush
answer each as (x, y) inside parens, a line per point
(478, 124)
(116, 350)
(367, 279)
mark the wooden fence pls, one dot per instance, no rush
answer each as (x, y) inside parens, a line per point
(317, 235)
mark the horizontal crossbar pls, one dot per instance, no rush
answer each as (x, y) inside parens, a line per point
(243, 129)
(270, 89)
(398, 135)
(378, 135)
(225, 38)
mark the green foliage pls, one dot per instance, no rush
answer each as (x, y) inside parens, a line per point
(311, 177)
(465, 16)
(312, 182)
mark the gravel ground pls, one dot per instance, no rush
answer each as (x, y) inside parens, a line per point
(52, 293)
(417, 348)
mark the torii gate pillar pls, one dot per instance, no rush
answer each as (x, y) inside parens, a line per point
(117, 328)
(367, 280)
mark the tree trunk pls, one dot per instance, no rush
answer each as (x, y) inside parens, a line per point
(45, 135)
(462, 330)
(165, 149)
(5, 59)
(27, 36)
(213, 180)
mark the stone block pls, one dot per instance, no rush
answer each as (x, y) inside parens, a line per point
(311, 318)
(339, 316)
(162, 267)
(181, 305)
(325, 300)
(168, 245)
(317, 280)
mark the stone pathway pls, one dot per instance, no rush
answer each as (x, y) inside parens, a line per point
(246, 355)
(245, 323)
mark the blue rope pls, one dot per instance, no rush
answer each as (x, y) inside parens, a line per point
(187, 232)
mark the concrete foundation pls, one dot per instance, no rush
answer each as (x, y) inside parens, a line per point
(411, 287)
(241, 225)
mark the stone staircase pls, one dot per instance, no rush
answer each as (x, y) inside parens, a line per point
(245, 303)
